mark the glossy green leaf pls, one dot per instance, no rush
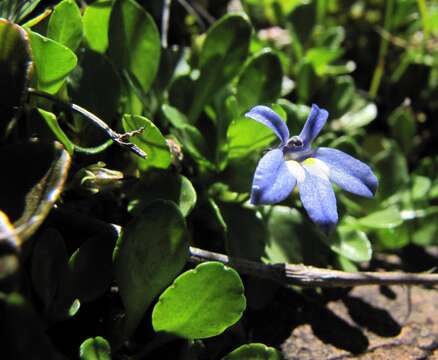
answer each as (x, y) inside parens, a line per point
(260, 81)
(134, 41)
(27, 193)
(96, 24)
(254, 351)
(151, 141)
(222, 57)
(246, 136)
(65, 24)
(360, 114)
(351, 244)
(283, 245)
(382, 219)
(403, 127)
(162, 185)
(53, 124)
(16, 68)
(49, 266)
(195, 307)
(392, 169)
(95, 349)
(150, 253)
(91, 267)
(53, 62)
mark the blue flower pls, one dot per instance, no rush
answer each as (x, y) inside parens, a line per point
(295, 164)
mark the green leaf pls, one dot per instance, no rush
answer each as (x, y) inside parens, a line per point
(260, 81)
(191, 138)
(65, 24)
(283, 245)
(382, 219)
(53, 124)
(16, 66)
(96, 24)
(403, 127)
(222, 57)
(49, 266)
(360, 114)
(246, 136)
(91, 267)
(246, 232)
(195, 307)
(151, 141)
(134, 42)
(162, 185)
(95, 349)
(28, 191)
(151, 251)
(97, 89)
(53, 62)
(351, 244)
(393, 171)
(254, 351)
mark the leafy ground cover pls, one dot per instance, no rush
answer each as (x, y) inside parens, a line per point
(128, 228)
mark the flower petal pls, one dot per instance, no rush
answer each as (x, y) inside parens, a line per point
(347, 172)
(272, 181)
(318, 197)
(269, 118)
(314, 123)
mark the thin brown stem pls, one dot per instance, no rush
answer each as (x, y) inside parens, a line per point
(302, 275)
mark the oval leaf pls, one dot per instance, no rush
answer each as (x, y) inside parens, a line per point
(222, 56)
(260, 81)
(254, 352)
(151, 251)
(53, 62)
(352, 244)
(16, 67)
(96, 24)
(65, 24)
(95, 349)
(201, 303)
(162, 185)
(29, 190)
(134, 41)
(151, 141)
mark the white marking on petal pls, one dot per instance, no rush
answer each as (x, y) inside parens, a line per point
(317, 167)
(296, 170)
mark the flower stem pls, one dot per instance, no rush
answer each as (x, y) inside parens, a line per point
(380, 66)
(120, 139)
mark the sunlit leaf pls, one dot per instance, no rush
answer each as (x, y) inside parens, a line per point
(254, 352)
(151, 141)
(134, 42)
(65, 24)
(96, 24)
(53, 62)
(195, 307)
(95, 349)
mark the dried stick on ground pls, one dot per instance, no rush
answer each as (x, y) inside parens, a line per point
(298, 274)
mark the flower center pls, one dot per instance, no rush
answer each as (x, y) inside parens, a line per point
(295, 143)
